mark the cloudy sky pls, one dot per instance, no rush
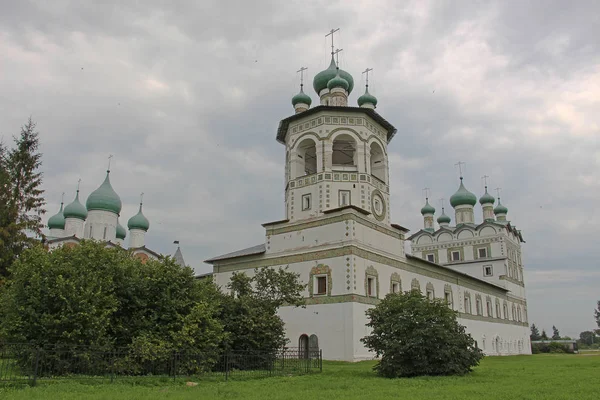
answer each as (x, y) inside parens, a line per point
(188, 97)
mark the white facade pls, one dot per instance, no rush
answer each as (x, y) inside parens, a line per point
(73, 227)
(337, 235)
(101, 225)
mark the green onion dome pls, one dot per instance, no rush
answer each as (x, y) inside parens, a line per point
(427, 208)
(75, 209)
(462, 196)
(443, 219)
(104, 198)
(301, 98)
(57, 221)
(337, 82)
(500, 209)
(138, 221)
(487, 198)
(322, 78)
(121, 232)
(367, 98)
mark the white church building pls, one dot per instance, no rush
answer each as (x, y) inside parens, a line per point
(98, 219)
(338, 235)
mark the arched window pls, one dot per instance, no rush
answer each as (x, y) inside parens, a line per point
(306, 152)
(414, 285)
(344, 152)
(430, 291)
(478, 305)
(468, 302)
(377, 162)
(505, 309)
(303, 346)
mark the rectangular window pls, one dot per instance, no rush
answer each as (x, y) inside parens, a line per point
(448, 298)
(467, 305)
(478, 307)
(370, 288)
(482, 252)
(104, 234)
(344, 198)
(489, 309)
(488, 270)
(306, 202)
(430, 257)
(430, 294)
(321, 284)
(395, 287)
(456, 256)
(498, 311)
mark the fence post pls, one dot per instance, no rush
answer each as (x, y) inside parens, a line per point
(321, 360)
(36, 366)
(226, 365)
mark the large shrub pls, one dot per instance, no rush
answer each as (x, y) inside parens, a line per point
(93, 297)
(416, 336)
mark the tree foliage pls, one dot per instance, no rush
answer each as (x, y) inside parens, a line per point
(544, 336)
(535, 333)
(587, 338)
(105, 298)
(597, 314)
(416, 336)
(555, 333)
(249, 311)
(21, 196)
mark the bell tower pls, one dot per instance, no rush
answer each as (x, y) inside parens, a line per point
(336, 155)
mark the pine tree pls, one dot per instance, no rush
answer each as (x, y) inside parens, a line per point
(555, 333)
(535, 333)
(597, 314)
(544, 336)
(21, 197)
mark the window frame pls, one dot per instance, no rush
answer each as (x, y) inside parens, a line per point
(432, 256)
(307, 196)
(340, 193)
(485, 254)
(491, 267)
(395, 287)
(320, 278)
(452, 253)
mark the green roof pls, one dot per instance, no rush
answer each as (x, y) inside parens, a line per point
(321, 80)
(121, 232)
(139, 221)
(75, 209)
(301, 98)
(367, 98)
(443, 219)
(337, 82)
(486, 198)
(462, 196)
(500, 209)
(427, 208)
(104, 198)
(57, 221)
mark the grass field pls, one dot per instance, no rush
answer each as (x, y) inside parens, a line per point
(573, 377)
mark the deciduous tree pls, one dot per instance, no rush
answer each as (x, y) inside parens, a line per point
(417, 336)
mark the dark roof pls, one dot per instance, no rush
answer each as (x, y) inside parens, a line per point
(356, 208)
(409, 256)
(178, 256)
(281, 221)
(61, 239)
(258, 249)
(284, 124)
(400, 228)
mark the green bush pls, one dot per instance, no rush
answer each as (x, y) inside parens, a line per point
(416, 336)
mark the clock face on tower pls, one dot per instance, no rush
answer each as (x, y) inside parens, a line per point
(378, 207)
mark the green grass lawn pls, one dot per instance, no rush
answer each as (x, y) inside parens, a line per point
(573, 377)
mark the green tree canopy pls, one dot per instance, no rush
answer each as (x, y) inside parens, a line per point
(417, 336)
(544, 336)
(597, 314)
(555, 333)
(535, 333)
(21, 196)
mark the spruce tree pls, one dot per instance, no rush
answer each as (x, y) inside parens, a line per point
(21, 196)
(544, 336)
(555, 333)
(535, 333)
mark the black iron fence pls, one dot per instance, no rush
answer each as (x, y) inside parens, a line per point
(29, 364)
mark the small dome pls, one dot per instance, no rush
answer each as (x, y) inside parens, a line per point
(443, 219)
(321, 80)
(138, 221)
(338, 82)
(462, 197)
(500, 209)
(487, 198)
(75, 209)
(301, 98)
(121, 232)
(367, 98)
(427, 208)
(57, 221)
(104, 198)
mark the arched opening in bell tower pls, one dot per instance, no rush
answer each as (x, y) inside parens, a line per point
(378, 166)
(344, 152)
(307, 155)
